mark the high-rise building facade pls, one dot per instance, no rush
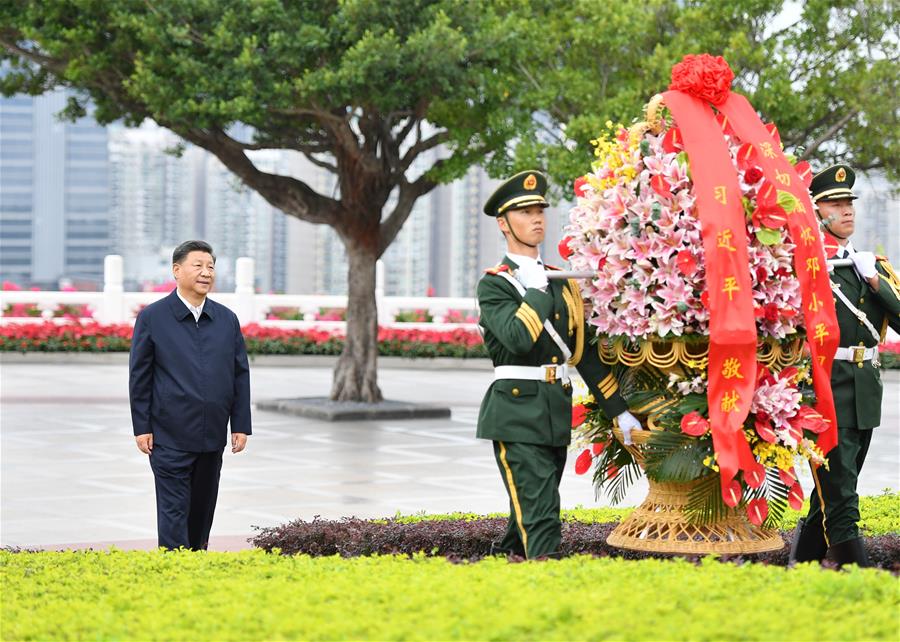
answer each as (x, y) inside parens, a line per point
(153, 201)
(54, 194)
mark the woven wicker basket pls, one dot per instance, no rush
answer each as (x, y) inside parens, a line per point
(659, 524)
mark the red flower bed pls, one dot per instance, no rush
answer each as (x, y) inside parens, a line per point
(96, 337)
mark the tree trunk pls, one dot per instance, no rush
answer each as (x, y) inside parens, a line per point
(356, 373)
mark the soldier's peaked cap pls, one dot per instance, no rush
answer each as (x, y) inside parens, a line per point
(833, 183)
(524, 189)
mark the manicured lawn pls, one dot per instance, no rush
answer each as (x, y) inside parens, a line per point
(257, 596)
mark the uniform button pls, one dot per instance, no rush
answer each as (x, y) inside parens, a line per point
(861, 301)
(515, 392)
(859, 365)
(554, 359)
(556, 316)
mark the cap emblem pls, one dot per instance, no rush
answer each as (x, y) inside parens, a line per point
(841, 175)
(530, 182)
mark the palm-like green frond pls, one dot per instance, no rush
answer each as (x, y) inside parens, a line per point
(705, 503)
(674, 457)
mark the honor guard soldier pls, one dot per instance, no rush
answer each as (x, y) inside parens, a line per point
(534, 331)
(867, 301)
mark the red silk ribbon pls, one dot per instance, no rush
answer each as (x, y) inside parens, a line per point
(732, 325)
(823, 334)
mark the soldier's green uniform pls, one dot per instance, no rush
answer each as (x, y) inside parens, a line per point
(530, 419)
(831, 525)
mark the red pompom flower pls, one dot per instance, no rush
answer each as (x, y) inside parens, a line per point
(704, 76)
(564, 250)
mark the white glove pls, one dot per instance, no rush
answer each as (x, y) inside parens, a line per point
(864, 262)
(627, 423)
(532, 275)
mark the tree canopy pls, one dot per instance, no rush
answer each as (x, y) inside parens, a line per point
(825, 71)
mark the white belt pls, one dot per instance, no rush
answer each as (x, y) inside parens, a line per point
(857, 354)
(549, 373)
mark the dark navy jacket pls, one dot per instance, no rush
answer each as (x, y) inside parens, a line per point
(187, 379)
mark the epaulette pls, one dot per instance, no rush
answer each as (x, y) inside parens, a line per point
(552, 267)
(497, 269)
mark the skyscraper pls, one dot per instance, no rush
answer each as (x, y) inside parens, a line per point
(54, 194)
(153, 200)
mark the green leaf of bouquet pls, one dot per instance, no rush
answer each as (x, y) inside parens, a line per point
(645, 147)
(673, 457)
(787, 201)
(768, 237)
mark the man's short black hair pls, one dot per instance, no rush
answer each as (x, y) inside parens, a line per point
(181, 252)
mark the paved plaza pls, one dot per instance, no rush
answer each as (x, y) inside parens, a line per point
(71, 474)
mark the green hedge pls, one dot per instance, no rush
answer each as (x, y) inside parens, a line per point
(880, 514)
(253, 596)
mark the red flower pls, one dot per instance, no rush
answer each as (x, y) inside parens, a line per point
(599, 447)
(672, 141)
(732, 493)
(753, 175)
(687, 264)
(694, 424)
(612, 471)
(755, 476)
(583, 463)
(704, 298)
(758, 510)
(579, 413)
(768, 212)
(764, 429)
(804, 171)
(808, 419)
(579, 184)
(746, 157)
(703, 76)
(788, 373)
(788, 477)
(795, 496)
(660, 186)
(763, 375)
(725, 124)
(564, 250)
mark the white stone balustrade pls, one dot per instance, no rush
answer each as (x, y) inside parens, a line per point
(114, 305)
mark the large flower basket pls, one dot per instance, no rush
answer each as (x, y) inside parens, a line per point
(710, 298)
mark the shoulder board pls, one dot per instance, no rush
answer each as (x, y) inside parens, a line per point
(497, 269)
(552, 267)
(878, 257)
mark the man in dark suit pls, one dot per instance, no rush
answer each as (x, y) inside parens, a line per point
(867, 301)
(188, 378)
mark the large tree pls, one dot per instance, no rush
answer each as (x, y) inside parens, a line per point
(367, 89)
(826, 71)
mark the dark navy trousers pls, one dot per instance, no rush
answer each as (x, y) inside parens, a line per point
(187, 485)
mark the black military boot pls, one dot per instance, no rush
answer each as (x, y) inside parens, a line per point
(808, 544)
(850, 552)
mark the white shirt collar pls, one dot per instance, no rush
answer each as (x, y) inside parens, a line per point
(846, 250)
(195, 310)
(520, 259)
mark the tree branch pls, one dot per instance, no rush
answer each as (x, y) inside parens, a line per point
(286, 193)
(829, 133)
(422, 146)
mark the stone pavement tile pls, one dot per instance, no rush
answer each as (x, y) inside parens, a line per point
(70, 471)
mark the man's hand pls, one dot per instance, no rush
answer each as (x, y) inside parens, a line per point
(532, 275)
(864, 262)
(627, 423)
(145, 443)
(238, 442)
